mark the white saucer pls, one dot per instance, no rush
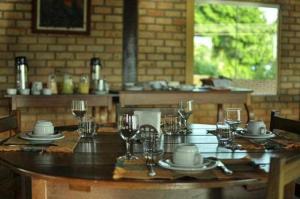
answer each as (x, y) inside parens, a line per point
(28, 136)
(244, 134)
(55, 135)
(207, 164)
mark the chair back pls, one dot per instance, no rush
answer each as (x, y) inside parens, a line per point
(284, 170)
(280, 123)
(9, 123)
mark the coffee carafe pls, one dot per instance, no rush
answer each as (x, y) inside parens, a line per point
(95, 73)
(21, 73)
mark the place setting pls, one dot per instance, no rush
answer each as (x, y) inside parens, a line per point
(43, 138)
(256, 129)
(43, 132)
(187, 158)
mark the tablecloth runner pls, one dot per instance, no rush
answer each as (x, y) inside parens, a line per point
(65, 145)
(282, 140)
(137, 169)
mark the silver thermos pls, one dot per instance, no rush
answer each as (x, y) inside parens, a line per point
(95, 73)
(21, 73)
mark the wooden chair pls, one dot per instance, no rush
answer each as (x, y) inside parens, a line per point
(9, 124)
(280, 123)
(283, 173)
(9, 181)
(288, 125)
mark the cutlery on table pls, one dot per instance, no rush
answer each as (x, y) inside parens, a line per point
(222, 166)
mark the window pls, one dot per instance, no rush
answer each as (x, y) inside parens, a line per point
(238, 41)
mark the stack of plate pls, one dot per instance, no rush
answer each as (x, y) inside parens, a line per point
(36, 137)
(206, 165)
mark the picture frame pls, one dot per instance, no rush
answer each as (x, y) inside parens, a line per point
(61, 16)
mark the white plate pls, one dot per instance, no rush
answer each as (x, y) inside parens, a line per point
(208, 164)
(244, 134)
(55, 135)
(26, 136)
(135, 88)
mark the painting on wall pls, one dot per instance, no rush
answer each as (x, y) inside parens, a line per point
(61, 16)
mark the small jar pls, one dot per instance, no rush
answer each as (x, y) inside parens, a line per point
(84, 85)
(68, 86)
(52, 85)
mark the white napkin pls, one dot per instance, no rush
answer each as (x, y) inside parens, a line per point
(151, 117)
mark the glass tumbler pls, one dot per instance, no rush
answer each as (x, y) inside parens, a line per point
(224, 134)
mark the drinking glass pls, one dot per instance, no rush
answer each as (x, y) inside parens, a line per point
(233, 117)
(184, 111)
(128, 128)
(79, 108)
(223, 134)
(170, 124)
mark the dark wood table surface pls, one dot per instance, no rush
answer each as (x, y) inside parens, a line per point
(93, 162)
(95, 159)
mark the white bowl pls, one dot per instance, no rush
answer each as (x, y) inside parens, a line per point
(43, 128)
(47, 91)
(25, 91)
(11, 91)
(186, 87)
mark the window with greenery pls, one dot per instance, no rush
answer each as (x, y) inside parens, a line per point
(235, 40)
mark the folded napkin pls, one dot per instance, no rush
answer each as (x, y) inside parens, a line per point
(151, 117)
(65, 145)
(242, 168)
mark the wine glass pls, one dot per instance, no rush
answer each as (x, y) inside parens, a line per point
(233, 117)
(184, 111)
(128, 126)
(79, 109)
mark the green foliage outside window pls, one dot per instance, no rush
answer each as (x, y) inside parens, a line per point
(243, 43)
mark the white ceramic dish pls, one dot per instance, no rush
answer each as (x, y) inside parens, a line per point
(244, 134)
(55, 135)
(25, 91)
(28, 136)
(135, 88)
(11, 91)
(186, 87)
(101, 92)
(207, 165)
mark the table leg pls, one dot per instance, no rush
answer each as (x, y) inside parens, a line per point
(219, 112)
(39, 188)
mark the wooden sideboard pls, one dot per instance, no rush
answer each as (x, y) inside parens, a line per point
(39, 101)
(163, 98)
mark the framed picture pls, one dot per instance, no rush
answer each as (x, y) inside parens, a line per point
(61, 16)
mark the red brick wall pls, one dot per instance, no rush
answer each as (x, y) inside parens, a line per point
(161, 55)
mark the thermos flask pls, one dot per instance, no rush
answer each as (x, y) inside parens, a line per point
(95, 73)
(21, 73)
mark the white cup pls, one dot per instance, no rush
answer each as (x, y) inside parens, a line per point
(47, 91)
(256, 127)
(37, 85)
(43, 128)
(187, 155)
(11, 91)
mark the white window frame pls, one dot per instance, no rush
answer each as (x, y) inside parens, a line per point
(190, 43)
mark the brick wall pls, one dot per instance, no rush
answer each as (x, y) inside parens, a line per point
(161, 56)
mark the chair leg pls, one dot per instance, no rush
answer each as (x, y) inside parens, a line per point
(289, 191)
(297, 189)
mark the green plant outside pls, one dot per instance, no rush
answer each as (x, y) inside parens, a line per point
(243, 42)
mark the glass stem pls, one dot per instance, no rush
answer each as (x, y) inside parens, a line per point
(128, 154)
